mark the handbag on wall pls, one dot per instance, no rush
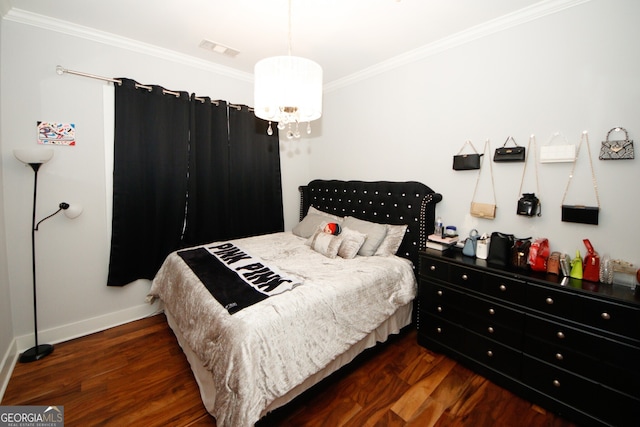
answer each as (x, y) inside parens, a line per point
(466, 161)
(560, 153)
(529, 205)
(617, 150)
(484, 210)
(581, 213)
(509, 154)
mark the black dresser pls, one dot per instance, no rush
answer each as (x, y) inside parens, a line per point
(568, 345)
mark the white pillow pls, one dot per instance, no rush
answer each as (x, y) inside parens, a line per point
(312, 221)
(326, 244)
(352, 241)
(392, 241)
(375, 233)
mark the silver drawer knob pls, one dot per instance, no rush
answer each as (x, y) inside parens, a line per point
(439, 293)
(556, 383)
(559, 356)
(492, 311)
(490, 329)
(439, 309)
(465, 277)
(605, 316)
(439, 330)
(549, 300)
(490, 353)
(503, 288)
(560, 335)
(432, 268)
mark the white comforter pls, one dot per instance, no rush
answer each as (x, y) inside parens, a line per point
(261, 352)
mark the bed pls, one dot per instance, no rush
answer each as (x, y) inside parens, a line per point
(326, 301)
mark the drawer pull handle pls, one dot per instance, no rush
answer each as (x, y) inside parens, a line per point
(556, 383)
(559, 356)
(490, 329)
(490, 353)
(503, 288)
(439, 293)
(465, 277)
(432, 268)
(549, 300)
(560, 335)
(439, 330)
(492, 311)
(605, 316)
(439, 309)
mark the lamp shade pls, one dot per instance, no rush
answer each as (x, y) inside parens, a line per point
(288, 89)
(33, 155)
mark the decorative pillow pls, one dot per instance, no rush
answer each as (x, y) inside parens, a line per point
(326, 244)
(352, 241)
(393, 240)
(312, 221)
(375, 233)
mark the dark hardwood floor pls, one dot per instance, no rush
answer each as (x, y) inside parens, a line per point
(137, 375)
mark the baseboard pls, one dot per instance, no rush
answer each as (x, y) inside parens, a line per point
(69, 332)
(87, 326)
(6, 366)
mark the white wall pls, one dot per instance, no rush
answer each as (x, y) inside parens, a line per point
(73, 256)
(570, 71)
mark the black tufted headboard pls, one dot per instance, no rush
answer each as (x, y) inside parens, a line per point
(384, 202)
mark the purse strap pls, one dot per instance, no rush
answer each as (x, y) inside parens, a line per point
(467, 142)
(618, 129)
(583, 138)
(510, 138)
(493, 186)
(526, 157)
(556, 135)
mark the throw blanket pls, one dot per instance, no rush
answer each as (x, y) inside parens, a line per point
(235, 278)
(263, 351)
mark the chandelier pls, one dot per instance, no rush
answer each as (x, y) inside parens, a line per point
(288, 90)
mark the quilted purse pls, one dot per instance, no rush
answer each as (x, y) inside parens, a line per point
(559, 153)
(484, 210)
(617, 149)
(463, 162)
(509, 154)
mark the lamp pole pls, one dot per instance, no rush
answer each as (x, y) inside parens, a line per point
(38, 351)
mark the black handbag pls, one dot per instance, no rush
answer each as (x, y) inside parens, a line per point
(509, 154)
(466, 161)
(529, 204)
(581, 213)
(500, 248)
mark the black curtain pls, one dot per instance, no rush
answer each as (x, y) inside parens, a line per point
(254, 161)
(149, 179)
(187, 172)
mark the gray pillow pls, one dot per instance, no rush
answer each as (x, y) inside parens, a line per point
(325, 243)
(314, 219)
(352, 241)
(375, 234)
(393, 240)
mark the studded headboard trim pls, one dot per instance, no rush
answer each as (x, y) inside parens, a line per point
(386, 202)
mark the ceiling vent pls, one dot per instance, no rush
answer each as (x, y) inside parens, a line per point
(218, 48)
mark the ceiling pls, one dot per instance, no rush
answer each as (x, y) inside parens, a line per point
(345, 37)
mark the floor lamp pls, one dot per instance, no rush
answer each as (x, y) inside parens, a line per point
(36, 158)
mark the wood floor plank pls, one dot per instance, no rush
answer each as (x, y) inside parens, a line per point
(136, 374)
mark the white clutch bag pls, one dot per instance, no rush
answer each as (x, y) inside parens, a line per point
(560, 153)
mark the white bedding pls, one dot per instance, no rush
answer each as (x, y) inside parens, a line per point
(261, 352)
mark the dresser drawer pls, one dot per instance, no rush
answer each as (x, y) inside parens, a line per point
(562, 336)
(444, 303)
(466, 277)
(494, 355)
(497, 332)
(442, 332)
(559, 384)
(507, 289)
(433, 268)
(554, 302)
(495, 312)
(611, 317)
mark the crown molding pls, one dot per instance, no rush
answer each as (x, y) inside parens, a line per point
(531, 13)
(87, 33)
